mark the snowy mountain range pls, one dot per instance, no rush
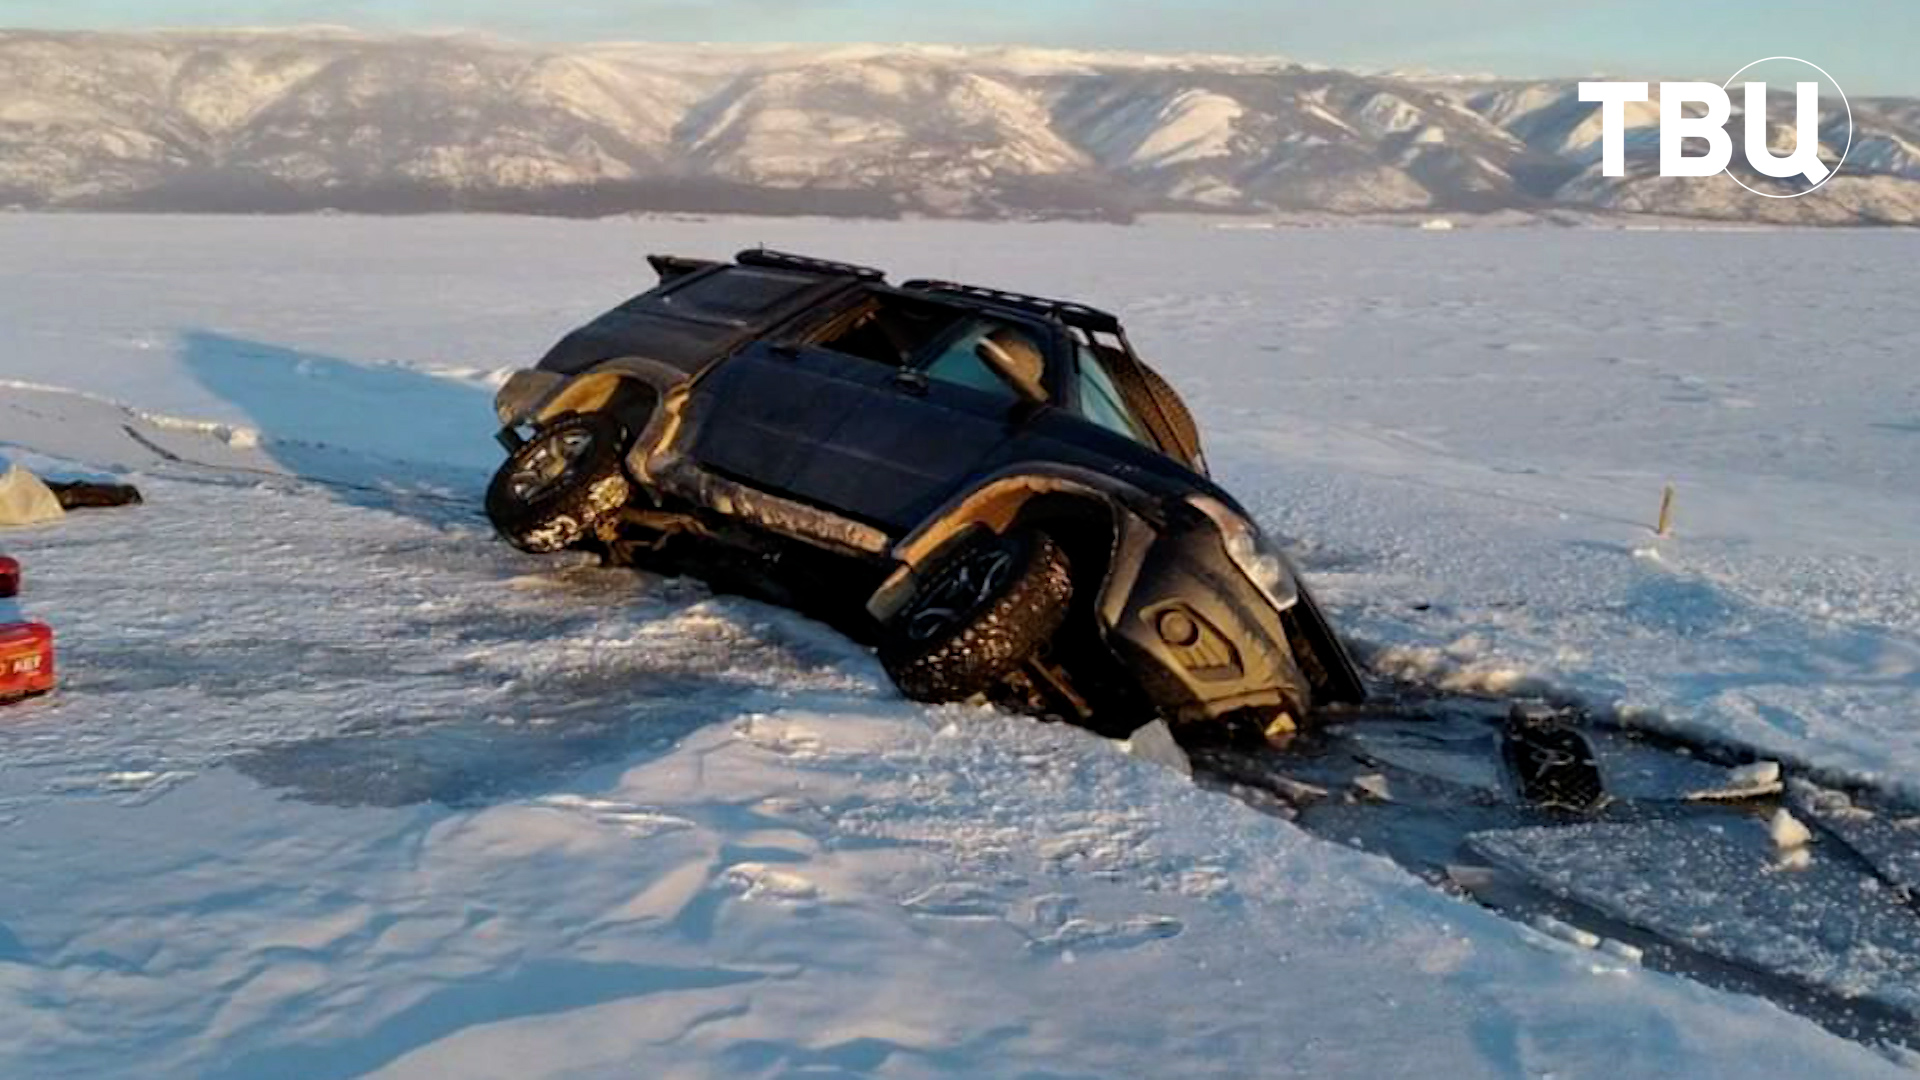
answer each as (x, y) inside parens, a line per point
(313, 119)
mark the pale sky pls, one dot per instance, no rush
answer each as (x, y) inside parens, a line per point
(1869, 46)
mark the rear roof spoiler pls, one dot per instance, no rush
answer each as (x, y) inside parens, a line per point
(673, 267)
(782, 260)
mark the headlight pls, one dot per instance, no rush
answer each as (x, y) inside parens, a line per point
(1249, 551)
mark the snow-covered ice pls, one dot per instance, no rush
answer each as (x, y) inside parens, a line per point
(339, 786)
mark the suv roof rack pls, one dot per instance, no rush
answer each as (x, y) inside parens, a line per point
(784, 260)
(1077, 315)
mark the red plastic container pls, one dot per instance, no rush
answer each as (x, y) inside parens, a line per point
(26, 648)
(26, 660)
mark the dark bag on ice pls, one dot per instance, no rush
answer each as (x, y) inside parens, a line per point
(85, 495)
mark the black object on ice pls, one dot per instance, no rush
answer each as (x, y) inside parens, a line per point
(86, 495)
(1552, 763)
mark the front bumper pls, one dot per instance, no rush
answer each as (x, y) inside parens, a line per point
(1202, 640)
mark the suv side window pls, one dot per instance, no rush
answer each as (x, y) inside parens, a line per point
(885, 329)
(959, 362)
(1102, 402)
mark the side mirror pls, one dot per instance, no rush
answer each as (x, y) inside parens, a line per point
(1023, 368)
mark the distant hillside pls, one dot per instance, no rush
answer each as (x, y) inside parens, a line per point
(304, 120)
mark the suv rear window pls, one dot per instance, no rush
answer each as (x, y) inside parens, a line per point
(735, 294)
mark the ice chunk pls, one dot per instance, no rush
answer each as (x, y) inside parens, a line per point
(1886, 840)
(1471, 878)
(1746, 782)
(1620, 950)
(1298, 791)
(1374, 786)
(1155, 743)
(1567, 932)
(1787, 831)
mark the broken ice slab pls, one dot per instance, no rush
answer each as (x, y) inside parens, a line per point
(1467, 759)
(1757, 780)
(1888, 840)
(1155, 742)
(1713, 887)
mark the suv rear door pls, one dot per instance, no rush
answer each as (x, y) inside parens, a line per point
(762, 416)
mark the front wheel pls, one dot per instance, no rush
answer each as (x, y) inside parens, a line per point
(554, 490)
(982, 613)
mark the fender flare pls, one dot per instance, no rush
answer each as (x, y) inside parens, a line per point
(533, 396)
(1001, 501)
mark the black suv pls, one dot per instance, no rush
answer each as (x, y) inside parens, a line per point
(991, 488)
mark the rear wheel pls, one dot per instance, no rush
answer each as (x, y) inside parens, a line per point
(982, 613)
(567, 479)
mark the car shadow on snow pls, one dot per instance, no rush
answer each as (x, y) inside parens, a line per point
(522, 749)
(499, 700)
(378, 435)
(548, 733)
(608, 669)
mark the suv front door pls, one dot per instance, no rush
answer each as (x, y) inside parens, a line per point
(910, 435)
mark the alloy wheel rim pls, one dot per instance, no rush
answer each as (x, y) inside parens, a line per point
(970, 584)
(551, 461)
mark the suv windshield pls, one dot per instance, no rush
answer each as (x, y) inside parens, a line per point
(1102, 402)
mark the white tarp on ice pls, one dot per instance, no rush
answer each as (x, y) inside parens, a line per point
(24, 500)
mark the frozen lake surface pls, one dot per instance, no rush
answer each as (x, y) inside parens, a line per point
(339, 786)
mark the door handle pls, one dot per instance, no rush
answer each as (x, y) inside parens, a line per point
(911, 382)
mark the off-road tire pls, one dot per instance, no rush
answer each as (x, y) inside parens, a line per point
(1002, 630)
(564, 510)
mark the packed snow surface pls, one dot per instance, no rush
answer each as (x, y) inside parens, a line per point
(337, 785)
